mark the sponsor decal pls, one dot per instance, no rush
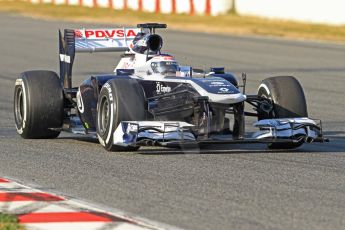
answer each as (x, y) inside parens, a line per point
(217, 83)
(78, 34)
(160, 88)
(205, 80)
(128, 65)
(65, 58)
(105, 33)
(217, 86)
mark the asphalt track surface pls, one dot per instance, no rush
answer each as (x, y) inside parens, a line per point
(230, 187)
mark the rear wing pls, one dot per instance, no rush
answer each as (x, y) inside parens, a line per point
(88, 41)
(104, 40)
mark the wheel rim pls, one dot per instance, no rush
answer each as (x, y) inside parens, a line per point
(19, 106)
(104, 115)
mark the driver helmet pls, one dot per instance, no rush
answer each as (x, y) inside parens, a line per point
(164, 65)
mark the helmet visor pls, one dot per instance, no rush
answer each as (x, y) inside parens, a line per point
(164, 67)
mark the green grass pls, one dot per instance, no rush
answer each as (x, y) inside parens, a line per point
(9, 222)
(226, 24)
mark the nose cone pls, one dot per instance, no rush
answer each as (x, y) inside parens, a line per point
(227, 98)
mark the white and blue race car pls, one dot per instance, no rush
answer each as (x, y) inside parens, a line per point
(151, 100)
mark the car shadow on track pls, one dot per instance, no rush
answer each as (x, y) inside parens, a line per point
(237, 150)
(336, 145)
(335, 135)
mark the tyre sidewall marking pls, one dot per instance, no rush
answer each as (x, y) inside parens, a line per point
(263, 85)
(269, 96)
(20, 83)
(80, 104)
(108, 87)
(111, 99)
(101, 139)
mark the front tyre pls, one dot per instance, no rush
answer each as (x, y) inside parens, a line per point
(120, 99)
(288, 99)
(38, 104)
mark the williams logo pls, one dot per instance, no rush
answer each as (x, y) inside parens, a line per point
(224, 90)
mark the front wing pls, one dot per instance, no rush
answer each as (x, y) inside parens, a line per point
(176, 134)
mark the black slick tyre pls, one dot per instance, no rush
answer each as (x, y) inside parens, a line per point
(288, 99)
(38, 104)
(120, 99)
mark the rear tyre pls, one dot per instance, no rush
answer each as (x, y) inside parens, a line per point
(119, 100)
(288, 99)
(38, 104)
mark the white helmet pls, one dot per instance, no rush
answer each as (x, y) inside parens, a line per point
(163, 64)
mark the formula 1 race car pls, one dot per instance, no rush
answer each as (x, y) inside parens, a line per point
(151, 100)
